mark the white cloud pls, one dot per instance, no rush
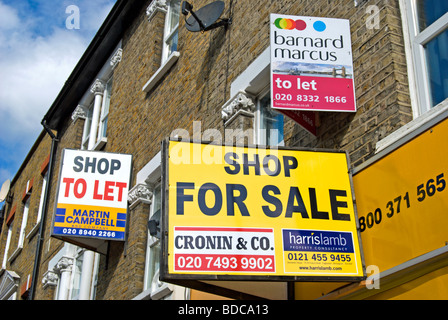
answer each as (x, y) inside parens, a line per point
(9, 18)
(34, 69)
(34, 66)
(33, 72)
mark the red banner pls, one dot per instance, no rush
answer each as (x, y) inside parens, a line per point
(310, 93)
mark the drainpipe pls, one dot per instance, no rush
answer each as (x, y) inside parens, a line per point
(40, 240)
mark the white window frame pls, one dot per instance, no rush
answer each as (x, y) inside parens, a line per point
(415, 40)
(75, 281)
(169, 32)
(105, 77)
(26, 210)
(152, 243)
(86, 130)
(8, 244)
(41, 204)
(261, 134)
(100, 138)
(8, 285)
(168, 58)
(255, 80)
(42, 196)
(102, 135)
(154, 289)
(425, 115)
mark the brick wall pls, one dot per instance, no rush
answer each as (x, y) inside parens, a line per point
(27, 184)
(196, 88)
(199, 84)
(381, 84)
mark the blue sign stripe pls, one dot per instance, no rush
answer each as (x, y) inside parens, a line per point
(121, 216)
(59, 219)
(121, 224)
(87, 233)
(317, 240)
(60, 212)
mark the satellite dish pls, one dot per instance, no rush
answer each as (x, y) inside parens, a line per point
(5, 190)
(205, 18)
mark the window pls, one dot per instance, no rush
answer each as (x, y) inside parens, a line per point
(268, 126)
(428, 35)
(83, 278)
(94, 106)
(42, 197)
(8, 243)
(269, 122)
(170, 40)
(105, 111)
(35, 227)
(147, 190)
(87, 125)
(95, 127)
(76, 275)
(171, 33)
(26, 209)
(153, 248)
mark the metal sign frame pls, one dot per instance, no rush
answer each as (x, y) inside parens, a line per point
(205, 281)
(93, 243)
(311, 64)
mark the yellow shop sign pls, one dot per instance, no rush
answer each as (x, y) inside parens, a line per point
(257, 213)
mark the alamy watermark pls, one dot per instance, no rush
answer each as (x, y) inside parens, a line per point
(373, 18)
(373, 278)
(209, 138)
(73, 21)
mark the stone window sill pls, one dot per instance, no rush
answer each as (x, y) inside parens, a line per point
(161, 72)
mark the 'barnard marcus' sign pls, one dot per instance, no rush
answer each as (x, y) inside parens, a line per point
(92, 195)
(311, 64)
(242, 213)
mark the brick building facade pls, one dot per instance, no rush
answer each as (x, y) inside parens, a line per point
(144, 78)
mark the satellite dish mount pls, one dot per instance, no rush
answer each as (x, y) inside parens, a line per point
(206, 18)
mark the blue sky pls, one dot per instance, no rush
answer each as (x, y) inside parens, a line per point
(37, 54)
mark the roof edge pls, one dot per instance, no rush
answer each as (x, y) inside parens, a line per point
(91, 62)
